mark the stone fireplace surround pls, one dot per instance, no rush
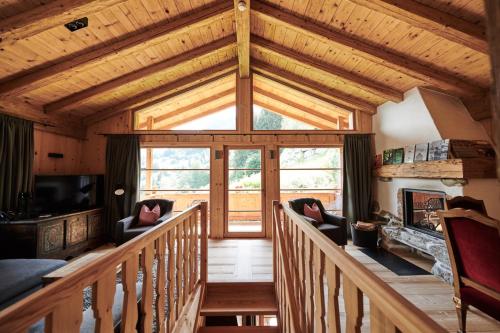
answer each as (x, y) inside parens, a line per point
(395, 232)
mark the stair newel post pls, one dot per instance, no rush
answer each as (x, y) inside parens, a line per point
(204, 242)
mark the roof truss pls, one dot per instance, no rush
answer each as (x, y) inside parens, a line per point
(243, 36)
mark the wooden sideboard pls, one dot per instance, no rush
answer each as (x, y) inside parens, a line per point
(60, 237)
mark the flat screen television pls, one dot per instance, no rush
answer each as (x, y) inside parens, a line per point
(66, 194)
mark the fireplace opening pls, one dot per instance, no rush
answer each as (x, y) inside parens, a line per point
(420, 210)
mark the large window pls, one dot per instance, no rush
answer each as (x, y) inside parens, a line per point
(179, 174)
(312, 172)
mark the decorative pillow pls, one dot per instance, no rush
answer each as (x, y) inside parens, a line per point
(147, 216)
(313, 212)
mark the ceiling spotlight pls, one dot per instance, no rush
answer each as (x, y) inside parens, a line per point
(242, 6)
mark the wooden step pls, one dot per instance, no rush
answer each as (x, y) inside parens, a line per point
(239, 298)
(238, 329)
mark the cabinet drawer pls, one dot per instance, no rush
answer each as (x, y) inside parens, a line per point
(50, 238)
(96, 228)
(76, 230)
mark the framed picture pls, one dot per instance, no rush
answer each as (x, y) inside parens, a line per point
(438, 150)
(421, 151)
(409, 153)
(387, 159)
(397, 156)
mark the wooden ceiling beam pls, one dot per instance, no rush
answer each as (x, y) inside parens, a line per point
(243, 37)
(339, 98)
(199, 115)
(79, 98)
(295, 105)
(39, 77)
(197, 104)
(433, 20)
(357, 80)
(379, 55)
(301, 90)
(169, 90)
(47, 16)
(273, 108)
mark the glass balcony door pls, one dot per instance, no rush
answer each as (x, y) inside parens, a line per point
(244, 192)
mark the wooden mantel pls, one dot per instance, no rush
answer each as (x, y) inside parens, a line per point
(454, 168)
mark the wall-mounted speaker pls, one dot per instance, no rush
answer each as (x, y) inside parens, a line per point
(56, 155)
(219, 154)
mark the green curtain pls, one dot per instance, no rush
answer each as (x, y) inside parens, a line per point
(122, 171)
(357, 191)
(16, 159)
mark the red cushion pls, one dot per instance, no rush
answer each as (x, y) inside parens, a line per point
(481, 301)
(313, 212)
(147, 216)
(476, 249)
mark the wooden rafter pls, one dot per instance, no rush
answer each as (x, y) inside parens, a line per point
(191, 106)
(339, 98)
(295, 105)
(427, 18)
(243, 37)
(80, 97)
(357, 80)
(199, 115)
(441, 80)
(109, 51)
(287, 113)
(47, 16)
(169, 90)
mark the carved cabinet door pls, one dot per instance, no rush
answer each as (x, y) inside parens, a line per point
(76, 229)
(50, 238)
(96, 227)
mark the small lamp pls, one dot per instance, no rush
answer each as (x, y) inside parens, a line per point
(242, 6)
(119, 193)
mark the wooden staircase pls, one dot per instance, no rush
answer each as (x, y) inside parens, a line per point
(239, 299)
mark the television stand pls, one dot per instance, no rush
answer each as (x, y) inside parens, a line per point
(54, 237)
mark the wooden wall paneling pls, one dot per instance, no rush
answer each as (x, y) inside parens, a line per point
(180, 60)
(372, 53)
(272, 191)
(47, 16)
(244, 103)
(112, 51)
(53, 143)
(217, 176)
(493, 22)
(242, 19)
(374, 87)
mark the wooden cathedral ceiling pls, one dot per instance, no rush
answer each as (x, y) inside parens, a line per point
(169, 55)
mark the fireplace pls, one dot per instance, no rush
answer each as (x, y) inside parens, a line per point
(420, 210)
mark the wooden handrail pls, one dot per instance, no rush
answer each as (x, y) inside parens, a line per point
(60, 303)
(317, 257)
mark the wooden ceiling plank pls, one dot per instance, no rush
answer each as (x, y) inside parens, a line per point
(289, 114)
(295, 105)
(199, 115)
(48, 16)
(79, 98)
(361, 82)
(169, 90)
(243, 37)
(374, 53)
(106, 52)
(341, 100)
(440, 23)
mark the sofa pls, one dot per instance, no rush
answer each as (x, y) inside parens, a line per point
(334, 227)
(22, 277)
(127, 228)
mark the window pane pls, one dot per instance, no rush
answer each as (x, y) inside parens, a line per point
(245, 201)
(248, 179)
(331, 200)
(181, 158)
(305, 158)
(244, 159)
(221, 120)
(176, 180)
(310, 179)
(143, 157)
(265, 120)
(183, 200)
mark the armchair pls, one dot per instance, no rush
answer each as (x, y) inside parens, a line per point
(334, 227)
(127, 228)
(473, 243)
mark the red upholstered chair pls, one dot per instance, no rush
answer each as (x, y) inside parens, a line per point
(473, 242)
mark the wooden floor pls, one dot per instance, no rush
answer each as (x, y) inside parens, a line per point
(251, 260)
